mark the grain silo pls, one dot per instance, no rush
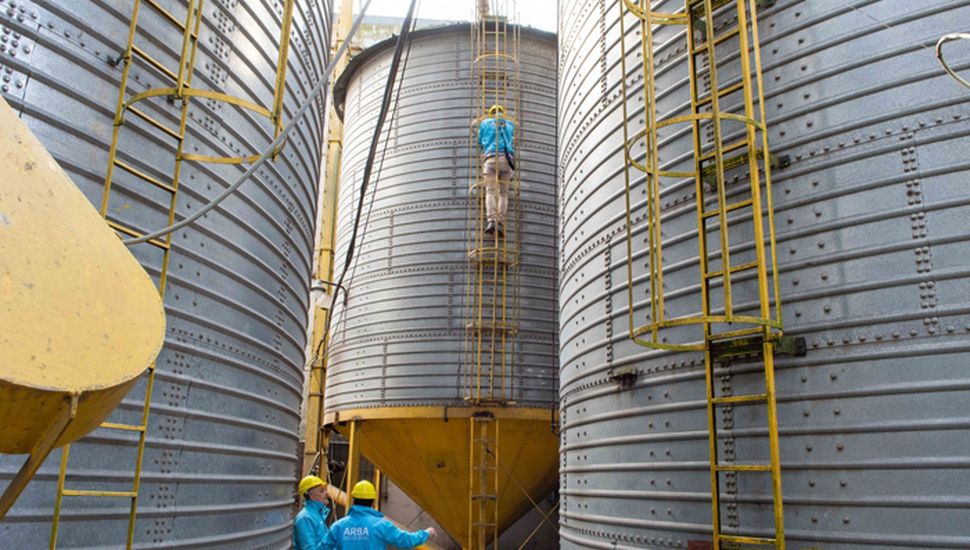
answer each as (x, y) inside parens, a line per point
(397, 364)
(867, 141)
(220, 448)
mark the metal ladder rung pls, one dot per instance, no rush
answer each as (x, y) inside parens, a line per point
(743, 467)
(154, 63)
(729, 208)
(726, 149)
(91, 493)
(740, 539)
(135, 234)
(735, 333)
(721, 93)
(142, 175)
(155, 122)
(485, 497)
(717, 40)
(732, 270)
(752, 398)
(123, 427)
(167, 15)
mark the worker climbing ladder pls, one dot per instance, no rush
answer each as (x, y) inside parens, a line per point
(731, 172)
(142, 105)
(492, 302)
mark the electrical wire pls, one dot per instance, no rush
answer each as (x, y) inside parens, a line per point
(939, 54)
(404, 37)
(888, 26)
(387, 141)
(311, 98)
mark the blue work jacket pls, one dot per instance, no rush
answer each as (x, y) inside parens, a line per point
(493, 142)
(310, 527)
(366, 529)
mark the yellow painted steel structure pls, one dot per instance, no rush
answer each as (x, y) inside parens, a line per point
(427, 452)
(492, 300)
(714, 28)
(68, 349)
(180, 92)
(492, 311)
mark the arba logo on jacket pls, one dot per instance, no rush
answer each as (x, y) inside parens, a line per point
(355, 532)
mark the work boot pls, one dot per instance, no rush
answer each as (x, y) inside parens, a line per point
(490, 228)
(500, 228)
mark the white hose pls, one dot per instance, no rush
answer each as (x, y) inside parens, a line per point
(939, 54)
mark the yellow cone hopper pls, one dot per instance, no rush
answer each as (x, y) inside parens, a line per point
(80, 319)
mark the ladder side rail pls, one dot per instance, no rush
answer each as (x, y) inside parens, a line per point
(725, 253)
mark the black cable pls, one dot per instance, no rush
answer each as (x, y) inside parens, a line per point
(380, 166)
(404, 37)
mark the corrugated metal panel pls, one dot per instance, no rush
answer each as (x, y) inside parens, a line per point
(221, 456)
(399, 340)
(871, 218)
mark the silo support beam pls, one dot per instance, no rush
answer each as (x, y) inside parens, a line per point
(41, 449)
(353, 459)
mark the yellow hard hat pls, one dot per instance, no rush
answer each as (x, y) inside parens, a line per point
(309, 482)
(496, 109)
(364, 489)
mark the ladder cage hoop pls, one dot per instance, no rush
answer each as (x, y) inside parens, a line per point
(756, 156)
(492, 281)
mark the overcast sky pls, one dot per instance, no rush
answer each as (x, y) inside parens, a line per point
(536, 13)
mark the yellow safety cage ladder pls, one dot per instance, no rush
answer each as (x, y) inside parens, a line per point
(140, 105)
(492, 283)
(731, 172)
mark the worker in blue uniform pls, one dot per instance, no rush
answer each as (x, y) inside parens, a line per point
(496, 135)
(364, 528)
(310, 526)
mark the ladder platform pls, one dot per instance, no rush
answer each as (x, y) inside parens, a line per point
(743, 467)
(493, 255)
(91, 493)
(741, 539)
(491, 327)
(709, 172)
(738, 347)
(737, 399)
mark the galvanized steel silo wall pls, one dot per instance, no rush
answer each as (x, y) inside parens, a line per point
(221, 456)
(398, 340)
(872, 250)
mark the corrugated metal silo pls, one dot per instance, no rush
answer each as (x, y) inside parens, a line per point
(396, 358)
(221, 454)
(872, 239)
